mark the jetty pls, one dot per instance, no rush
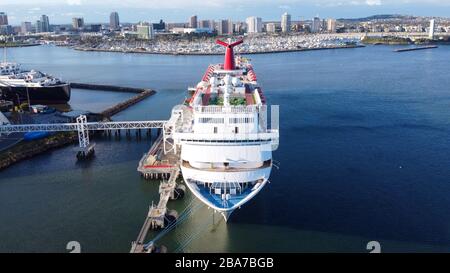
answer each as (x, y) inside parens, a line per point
(104, 87)
(125, 104)
(415, 48)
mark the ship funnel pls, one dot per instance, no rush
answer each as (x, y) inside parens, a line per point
(228, 63)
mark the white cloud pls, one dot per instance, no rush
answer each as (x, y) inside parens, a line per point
(74, 2)
(373, 2)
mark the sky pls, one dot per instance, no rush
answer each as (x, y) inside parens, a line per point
(97, 11)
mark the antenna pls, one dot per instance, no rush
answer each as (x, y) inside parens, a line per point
(228, 63)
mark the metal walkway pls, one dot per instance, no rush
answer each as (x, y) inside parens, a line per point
(91, 126)
(83, 127)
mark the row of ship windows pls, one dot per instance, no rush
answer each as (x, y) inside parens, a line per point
(221, 120)
(227, 141)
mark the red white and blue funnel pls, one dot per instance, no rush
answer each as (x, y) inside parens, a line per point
(228, 63)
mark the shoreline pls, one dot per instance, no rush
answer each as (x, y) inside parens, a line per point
(30, 149)
(218, 53)
(20, 45)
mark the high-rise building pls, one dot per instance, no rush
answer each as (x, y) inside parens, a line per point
(270, 27)
(431, 31)
(193, 21)
(315, 27)
(145, 31)
(331, 25)
(212, 24)
(38, 27)
(25, 27)
(77, 23)
(114, 21)
(223, 27)
(204, 24)
(254, 24)
(286, 22)
(3, 19)
(45, 24)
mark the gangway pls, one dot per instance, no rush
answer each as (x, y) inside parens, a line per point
(83, 127)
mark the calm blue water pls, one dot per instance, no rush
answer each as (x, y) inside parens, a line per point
(364, 155)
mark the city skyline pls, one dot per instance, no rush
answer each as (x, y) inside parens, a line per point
(62, 11)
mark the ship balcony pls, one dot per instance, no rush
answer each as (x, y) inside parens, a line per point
(270, 135)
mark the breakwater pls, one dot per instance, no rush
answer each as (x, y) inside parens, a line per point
(104, 87)
(415, 48)
(124, 105)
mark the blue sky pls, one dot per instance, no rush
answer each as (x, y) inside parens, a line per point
(97, 11)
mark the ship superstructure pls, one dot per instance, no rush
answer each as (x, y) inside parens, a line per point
(226, 146)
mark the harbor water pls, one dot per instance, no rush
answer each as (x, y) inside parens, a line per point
(364, 156)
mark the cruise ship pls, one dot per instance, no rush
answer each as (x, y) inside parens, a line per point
(35, 86)
(226, 145)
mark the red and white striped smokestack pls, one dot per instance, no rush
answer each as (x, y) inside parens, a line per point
(228, 63)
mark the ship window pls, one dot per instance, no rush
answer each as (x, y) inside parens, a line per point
(215, 130)
(236, 130)
(211, 120)
(241, 120)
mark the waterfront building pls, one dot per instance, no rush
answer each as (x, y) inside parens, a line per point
(204, 24)
(315, 27)
(3, 19)
(193, 21)
(144, 31)
(6, 30)
(286, 22)
(254, 24)
(77, 23)
(212, 23)
(114, 23)
(95, 27)
(25, 27)
(38, 26)
(225, 27)
(270, 27)
(159, 27)
(431, 31)
(331, 25)
(45, 24)
(239, 27)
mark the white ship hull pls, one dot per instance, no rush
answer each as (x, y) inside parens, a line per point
(226, 209)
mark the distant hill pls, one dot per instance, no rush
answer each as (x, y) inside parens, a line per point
(379, 17)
